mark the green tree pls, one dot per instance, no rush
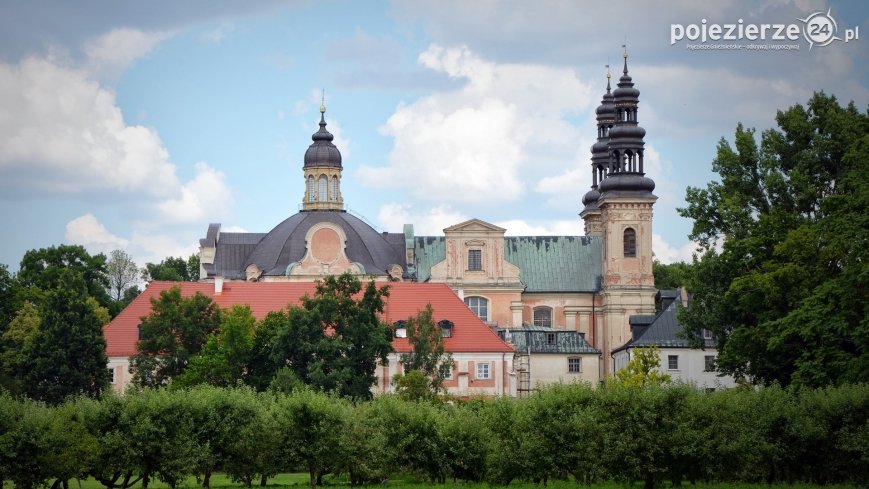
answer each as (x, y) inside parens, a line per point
(670, 276)
(427, 356)
(782, 282)
(122, 273)
(43, 268)
(173, 269)
(176, 330)
(334, 341)
(642, 369)
(17, 339)
(224, 359)
(312, 424)
(67, 355)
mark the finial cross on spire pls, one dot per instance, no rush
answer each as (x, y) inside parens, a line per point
(625, 55)
(323, 102)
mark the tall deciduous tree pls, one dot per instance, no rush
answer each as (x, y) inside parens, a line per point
(176, 329)
(224, 359)
(784, 279)
(122, 272)
(67, 354)
(14, 342)
(174, 269)
(334, 341)
(43, 268)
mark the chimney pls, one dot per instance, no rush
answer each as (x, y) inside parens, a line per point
(218, 285)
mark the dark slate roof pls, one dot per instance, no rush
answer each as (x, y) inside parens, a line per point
(285, 244)
(532, 339)
(664, 331)
(231, 254)
(556, 263)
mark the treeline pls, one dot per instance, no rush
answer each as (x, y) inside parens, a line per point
(652, 434)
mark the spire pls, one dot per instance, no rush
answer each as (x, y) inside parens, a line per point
(625, 172)
(322, 170)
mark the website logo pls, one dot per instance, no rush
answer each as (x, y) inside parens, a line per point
(818, 29)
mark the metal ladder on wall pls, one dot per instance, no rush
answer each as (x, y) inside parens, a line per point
(522, 367)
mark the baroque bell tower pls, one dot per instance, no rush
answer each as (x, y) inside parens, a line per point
(624, 206)
(322, 171)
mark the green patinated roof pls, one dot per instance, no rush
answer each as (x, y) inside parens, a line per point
(546, 263)
(556, 263)
(430, 250)
(534, 339)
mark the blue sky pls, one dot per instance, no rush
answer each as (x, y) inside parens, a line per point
(133, 125)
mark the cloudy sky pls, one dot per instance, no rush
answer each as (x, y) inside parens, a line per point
(133, 125)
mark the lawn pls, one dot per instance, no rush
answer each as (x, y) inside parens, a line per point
(300, 480)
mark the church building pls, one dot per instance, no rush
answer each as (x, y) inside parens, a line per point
(588, 284)
(557, 306)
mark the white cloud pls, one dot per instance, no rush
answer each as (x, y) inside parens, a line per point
(430, 222)
(665, 253)
(87, 231)
(112, 53)
(473, 143)
(218, 34)
(143, 246)
(207, 196)
(63, 134)
(517, 227)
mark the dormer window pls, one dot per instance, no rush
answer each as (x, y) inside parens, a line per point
(630, 242)
(446, 328)
(475, 260)
(400, 328)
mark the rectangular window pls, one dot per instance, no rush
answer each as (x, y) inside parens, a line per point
(111, 375)
(483, 370)
(574, 365)
(543, 316)
(709, 363)
(550, 338)
(475, 260)
(446, 371)
(673, 362)
(707, 335)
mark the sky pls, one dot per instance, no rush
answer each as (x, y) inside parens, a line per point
(133, 125)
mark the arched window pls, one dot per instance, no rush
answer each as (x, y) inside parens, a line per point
(479, 305)
(543, 316)
(630, 242)
(334, 196)
(310, 188)
(322, 196)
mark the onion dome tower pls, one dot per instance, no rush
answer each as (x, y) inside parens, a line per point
(322, 171)
(599, 162)
(625, 163)
(625, 206)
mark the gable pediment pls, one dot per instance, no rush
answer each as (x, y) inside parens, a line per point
(475, 225)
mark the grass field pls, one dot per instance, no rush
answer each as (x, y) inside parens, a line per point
(219, 481)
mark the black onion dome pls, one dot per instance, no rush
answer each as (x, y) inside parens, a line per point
(606, 110)
(627, 184)
(322, 152)
(626, 90)
(589, 200)
(285, 244)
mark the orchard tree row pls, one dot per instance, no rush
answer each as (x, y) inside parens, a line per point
(651, 434)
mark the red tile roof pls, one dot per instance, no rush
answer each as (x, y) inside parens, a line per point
(405, 299)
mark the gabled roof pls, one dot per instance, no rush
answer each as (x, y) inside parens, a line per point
(475, 225)
(470, 334)
(663, 330)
